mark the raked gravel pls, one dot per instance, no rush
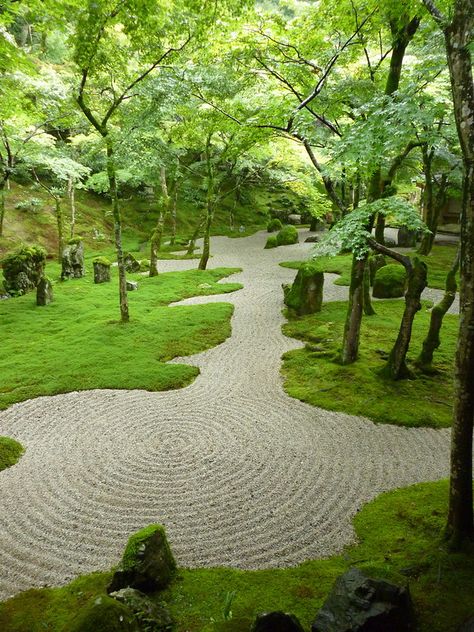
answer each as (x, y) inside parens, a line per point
(239, 473)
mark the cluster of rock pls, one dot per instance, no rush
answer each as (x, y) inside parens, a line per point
(23, 271)
(147, 566)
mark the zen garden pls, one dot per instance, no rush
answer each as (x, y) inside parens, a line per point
(236, 315)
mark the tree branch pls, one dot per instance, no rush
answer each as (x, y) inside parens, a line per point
(383, 250)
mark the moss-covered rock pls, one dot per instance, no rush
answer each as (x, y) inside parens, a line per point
(144, 265)
(390, 282)
(306, 294)
(23, 269)
(274, 225)
(131, 263)
(104, 614)
(44, 292)
(101, 269)
(271, 242)
(147, 563)
(72, 261)
(10, 452)
(287, 235)
(151, 615)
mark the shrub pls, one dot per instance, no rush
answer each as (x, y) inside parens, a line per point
(33, 204)
(274, 225)
(390, 282)
(271, 242)
(287, 235)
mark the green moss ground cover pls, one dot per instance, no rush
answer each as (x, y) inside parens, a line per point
(77, 343)
(10, 452)
(313, 374)
(399, 539)
(439, 261)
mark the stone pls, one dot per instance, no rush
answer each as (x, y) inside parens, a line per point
(406, 238)
(390, 242)
(390, 282)
(306, 294)
(131, 264)
(23, 269)
(276, 622)
(375, 263)
(467, 626)
(132, 286)
(73, 260)
(312, 239)
(101, 270)
(294, 219)
(104, 614)
(44, 292)
(358, 603)
(287, 235)
(147, 563)
(151, 616)
(281, 214)
(317, 224)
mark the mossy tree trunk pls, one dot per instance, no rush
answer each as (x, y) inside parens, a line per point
(458, 37)
(432, 202)
(3, 183)
(350, 343)
(157, 234)
(173, 212)
(195, 235)
(112, 177)
(71, 191)
(60, 225)
(210, 206)
(432, 340)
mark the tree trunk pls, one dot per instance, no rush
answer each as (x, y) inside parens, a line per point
(432, 340)
(173, 214)
(111, 173)
(380, 229)
(59, 222)
(2, 204)
(71, 190)
(195, 235)
(368, 307)
(157, 235)
(396, 367)
(206, 247)
(350, 343)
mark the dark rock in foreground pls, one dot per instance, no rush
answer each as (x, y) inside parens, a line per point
(150, 615)
(276, 622)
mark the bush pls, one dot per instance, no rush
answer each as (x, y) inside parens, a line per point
(32, 205)
(104, 615)
(274, 225)
(288, 235)
(390, 282)
(271, 242)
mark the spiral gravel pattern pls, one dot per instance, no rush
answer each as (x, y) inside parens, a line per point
(239, 473)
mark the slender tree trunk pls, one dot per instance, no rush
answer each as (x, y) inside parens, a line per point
(206, 247)
(350, 343)
(2, 204)
(380, 229)
(111, 173)
(60, 225)
(173, 213)
(71, 190)
(195, 235)
(368, 307)
(157, 235)
(458, 38)
(432, 340)
(396, 367)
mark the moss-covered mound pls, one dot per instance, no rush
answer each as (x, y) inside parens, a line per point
(10, 452)
(104, 614)
(271, 242)
(287, 235)
(306, 294)
(390, 282)
(274, 225)
(23, 269)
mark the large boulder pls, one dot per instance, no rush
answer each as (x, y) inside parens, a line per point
(44, 292)
(23, 269)
(390, 282)
(358, 603)
(152, 616)
(147, 563)
(281, 214)
(276, 622)
(294, 218)
(131, 263)
(287, 235)
(73, 260)
(406, 238)
(306, 294)
(101, 270)
(105, 615)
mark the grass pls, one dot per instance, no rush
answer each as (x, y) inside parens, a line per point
(10, 452)
(439, 262)
(313, 374)
(77, 343)
(399, 539)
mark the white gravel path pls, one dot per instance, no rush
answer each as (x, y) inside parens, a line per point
(241, 474)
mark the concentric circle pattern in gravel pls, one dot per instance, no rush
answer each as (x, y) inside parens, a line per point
(239, 473)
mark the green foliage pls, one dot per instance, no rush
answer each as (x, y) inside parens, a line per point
(36, 253)
(314, 375)
(274, 225)
(10, 452)
(102, 260)
(287, 235)
(76, 333)
(390, 282)
(104, 614)
(32, 205)
(398, 537)
(271, 242)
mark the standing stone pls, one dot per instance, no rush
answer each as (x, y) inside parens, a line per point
(73, 260)
(277, 622)
(132, 286)
(101, 270)
(147, 563)
(131, 264)
(23, 269)
(406, 238)
(358, 603)
(294, 218)
(305, 296)
(44, 292)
